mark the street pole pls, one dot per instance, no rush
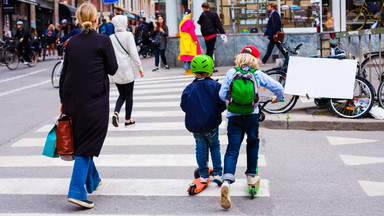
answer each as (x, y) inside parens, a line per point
(234, 26)
(1, 20)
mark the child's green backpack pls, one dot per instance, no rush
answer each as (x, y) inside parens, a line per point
(242, 96)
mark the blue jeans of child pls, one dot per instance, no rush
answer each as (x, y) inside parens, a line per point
(237, 127)
(203, 142)
(84, 173)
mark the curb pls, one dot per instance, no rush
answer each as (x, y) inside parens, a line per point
(338, 124)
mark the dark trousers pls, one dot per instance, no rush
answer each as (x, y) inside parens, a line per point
(60, 50)
(269, 51)
(23, 50)
(125, 95)
(210, 44)
(162, 53)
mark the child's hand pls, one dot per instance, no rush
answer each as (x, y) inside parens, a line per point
(274, 99)
(141, 73)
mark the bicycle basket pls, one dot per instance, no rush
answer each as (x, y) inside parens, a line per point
(374, 6)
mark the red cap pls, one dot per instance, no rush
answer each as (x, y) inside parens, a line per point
(251, 50)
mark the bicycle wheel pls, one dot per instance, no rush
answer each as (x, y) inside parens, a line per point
(356, 19)
(357, 107)
(370, 70)
(33, 58)
(56, 73)
(11, 59)
(380, 94)
(280, 107)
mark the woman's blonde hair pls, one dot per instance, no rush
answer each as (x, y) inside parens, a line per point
(86, 14)
(51, 26)
(246, 59)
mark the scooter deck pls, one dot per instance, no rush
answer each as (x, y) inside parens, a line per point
(197, 186)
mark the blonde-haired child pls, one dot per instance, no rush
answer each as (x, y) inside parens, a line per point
(240, 124)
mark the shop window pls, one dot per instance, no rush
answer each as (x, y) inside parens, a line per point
(252, 15)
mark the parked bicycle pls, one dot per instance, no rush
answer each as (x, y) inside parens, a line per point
(358, 106)
(372, 69)
(279, 74)
(8, 56)
(357, 18)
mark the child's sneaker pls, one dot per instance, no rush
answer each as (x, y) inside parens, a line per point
(253, 180)
(204, 179)
(218, 180)
(225, 200)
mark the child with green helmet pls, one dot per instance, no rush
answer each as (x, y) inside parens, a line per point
(202, 106)
(243, 117)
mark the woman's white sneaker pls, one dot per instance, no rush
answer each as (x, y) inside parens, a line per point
(225, 200)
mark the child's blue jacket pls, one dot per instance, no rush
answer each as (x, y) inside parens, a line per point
(202, 105)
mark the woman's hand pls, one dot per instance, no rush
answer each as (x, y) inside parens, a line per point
(141, 73)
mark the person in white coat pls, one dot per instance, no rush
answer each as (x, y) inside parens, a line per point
(128, 60)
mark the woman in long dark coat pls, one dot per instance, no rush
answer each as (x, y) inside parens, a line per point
(84, 93)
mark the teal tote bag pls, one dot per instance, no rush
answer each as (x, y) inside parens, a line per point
(50, 144)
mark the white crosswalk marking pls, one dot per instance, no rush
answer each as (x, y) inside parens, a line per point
(372, 188)
(140, 127)
(161, 93)
(360, 160)
(124, 187)
(117, 160)
(128, 141)
(348, 140)
(152, 104)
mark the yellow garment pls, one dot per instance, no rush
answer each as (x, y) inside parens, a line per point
(187, 44)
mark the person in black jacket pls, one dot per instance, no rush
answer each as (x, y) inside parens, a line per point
(210, 26)
(273, 26)
(84, 96)
(22, 41)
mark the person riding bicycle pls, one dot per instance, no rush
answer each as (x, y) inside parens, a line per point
(21, 39)
(77, 30)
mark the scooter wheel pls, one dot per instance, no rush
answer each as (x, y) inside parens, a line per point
(253, 192)
(261, 117)
(191, 190)
(196, 173)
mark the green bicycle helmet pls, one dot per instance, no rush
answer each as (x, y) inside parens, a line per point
(202, 64)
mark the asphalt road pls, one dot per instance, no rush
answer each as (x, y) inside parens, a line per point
(146, 168)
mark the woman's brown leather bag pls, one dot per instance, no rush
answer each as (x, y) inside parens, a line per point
(64, 138)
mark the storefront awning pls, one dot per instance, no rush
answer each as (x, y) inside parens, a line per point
(67, 11)
(31, 2)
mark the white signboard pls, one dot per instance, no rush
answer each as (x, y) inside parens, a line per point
(321, 77)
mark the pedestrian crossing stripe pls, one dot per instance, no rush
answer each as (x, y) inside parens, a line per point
(136, 114)
(151, 97)
(118, 160)
(163, 85)
(360, 160)
(152, 104)
(125, 187)
(346, 140)
(173, 78)
(164, 126)
(128, 141)
(306, 100)
(372, 188)
(150, 91)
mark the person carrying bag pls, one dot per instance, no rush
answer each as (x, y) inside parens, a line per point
(127, 58)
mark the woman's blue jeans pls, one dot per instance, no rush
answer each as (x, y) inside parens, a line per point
(85, 178)
(203, 142)
(187, 65)
(237, 127)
